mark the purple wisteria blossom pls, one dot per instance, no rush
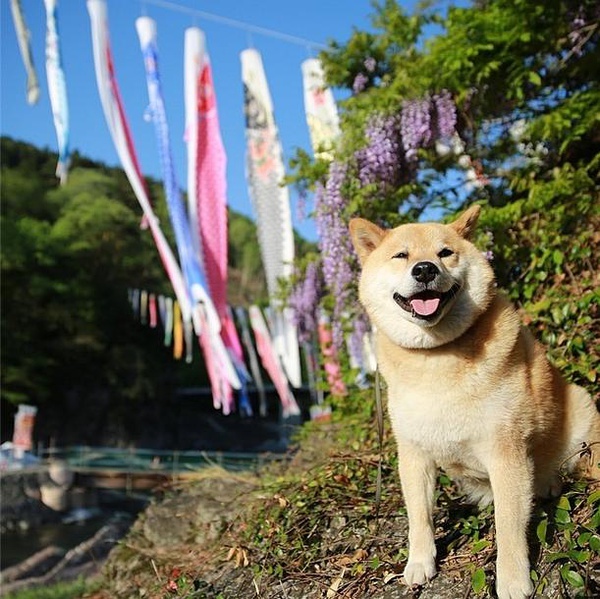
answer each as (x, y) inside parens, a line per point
(370, 64)
(335, 245)
(360, 82)
(304, 301)
(415, 126)
(445, 115)
(381, 160)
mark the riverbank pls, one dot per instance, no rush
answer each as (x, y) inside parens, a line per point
(54, 529)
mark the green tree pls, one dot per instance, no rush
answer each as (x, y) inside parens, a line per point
(69, 255)
(70, 344)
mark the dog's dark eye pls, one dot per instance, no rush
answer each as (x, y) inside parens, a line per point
(401, 255)
(445, 253)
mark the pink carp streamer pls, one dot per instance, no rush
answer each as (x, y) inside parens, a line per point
(321, 110)
(118, 127)
(265, 173)
(57, 90)
(207, 194)
(271, 362)
(23, 36)
(206, 320)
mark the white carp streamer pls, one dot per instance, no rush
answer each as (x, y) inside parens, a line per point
(321, 110)
(23, 37)
(270, 361)
(265, 173)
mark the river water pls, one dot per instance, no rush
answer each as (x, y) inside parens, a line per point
(75, 528)
(18, 545)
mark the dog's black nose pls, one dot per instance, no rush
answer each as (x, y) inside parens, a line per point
(425, 272)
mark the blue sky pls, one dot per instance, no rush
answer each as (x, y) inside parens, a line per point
(315, 20)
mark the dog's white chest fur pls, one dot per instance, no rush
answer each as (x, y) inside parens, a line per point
(439, 424)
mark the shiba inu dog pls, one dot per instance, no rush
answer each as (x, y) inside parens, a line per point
(469, 389)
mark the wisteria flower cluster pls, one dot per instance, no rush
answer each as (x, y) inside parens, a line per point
(361, 80)
(415, 123)
(304, 301)
(336, 247)
(444, 115)
(370, 64)
(360, 83)
(380, 161)
(425, 120)
(393, 140)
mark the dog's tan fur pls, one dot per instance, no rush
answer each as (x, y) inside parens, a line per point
(469, 388)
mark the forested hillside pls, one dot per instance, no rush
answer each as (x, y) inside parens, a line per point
(70, 343)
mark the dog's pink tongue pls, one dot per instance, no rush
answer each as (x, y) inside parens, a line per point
(425, 307)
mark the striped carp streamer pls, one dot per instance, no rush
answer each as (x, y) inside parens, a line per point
(207, 192)
(23, 37)
(57, 90)
(321, 110)
(271, 362)
(204, 311)
(265, 173)
(118, 126)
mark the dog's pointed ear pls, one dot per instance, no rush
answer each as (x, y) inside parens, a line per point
(465, 224)
(366, 236)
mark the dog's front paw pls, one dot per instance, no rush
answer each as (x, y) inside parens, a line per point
(514, 587)
(419, 571)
